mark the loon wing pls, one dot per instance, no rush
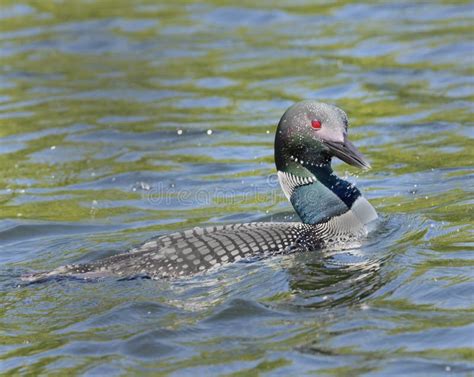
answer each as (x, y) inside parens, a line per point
(200, 249)
(195, 250)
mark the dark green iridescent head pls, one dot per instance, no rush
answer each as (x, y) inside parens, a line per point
(309, 134)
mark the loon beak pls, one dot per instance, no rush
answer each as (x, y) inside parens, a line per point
(347, 152)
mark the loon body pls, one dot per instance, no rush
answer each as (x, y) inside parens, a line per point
(332, 210)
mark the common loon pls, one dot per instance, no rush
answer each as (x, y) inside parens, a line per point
(332, 210)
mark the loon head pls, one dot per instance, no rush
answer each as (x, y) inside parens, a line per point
(308, 136)
(310, 133)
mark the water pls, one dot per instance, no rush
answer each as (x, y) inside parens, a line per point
(105, 111)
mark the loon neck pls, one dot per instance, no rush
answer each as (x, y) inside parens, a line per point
(316, 193)
(344, 190)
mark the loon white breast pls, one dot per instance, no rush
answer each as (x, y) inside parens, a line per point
(331, 210)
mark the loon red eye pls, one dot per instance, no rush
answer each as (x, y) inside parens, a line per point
(316, 124)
